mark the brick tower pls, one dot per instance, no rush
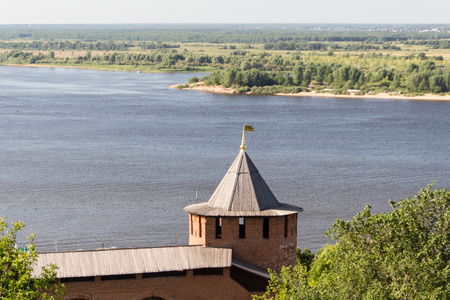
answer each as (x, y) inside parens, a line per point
(244, 214)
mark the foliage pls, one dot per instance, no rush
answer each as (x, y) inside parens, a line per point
(402, 254)
(336, 72)
(194, 79)
(16, 273)
(305, 258)
(290, 283)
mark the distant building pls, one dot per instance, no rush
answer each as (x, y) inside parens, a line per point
(233, 239)
(352, 91)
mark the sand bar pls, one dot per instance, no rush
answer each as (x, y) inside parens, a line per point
(221, 90)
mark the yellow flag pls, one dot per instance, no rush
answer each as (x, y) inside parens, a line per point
(249, 128)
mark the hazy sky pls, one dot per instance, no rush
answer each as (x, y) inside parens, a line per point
(225, 11)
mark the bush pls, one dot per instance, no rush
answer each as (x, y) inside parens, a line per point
(193, 79)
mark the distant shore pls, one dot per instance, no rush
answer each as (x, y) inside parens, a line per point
(218, 89)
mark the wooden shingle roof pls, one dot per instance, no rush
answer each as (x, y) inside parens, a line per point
(242, 192)
(134, 261)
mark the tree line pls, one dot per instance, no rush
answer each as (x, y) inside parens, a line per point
(311, 46)
(433, 44)
(227, 33)
(144, 45)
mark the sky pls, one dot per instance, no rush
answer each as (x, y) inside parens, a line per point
(224, 11)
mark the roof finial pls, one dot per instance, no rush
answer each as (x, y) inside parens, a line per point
(246, 128)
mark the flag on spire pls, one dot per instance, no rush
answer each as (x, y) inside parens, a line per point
(246, 128)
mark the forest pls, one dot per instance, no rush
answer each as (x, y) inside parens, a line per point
(336, 74)
(229, 33)
(257, 58)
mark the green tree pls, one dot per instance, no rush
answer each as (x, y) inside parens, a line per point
(17, 280)
(229, 77)
(402, 254)
(193, 79)
(305, 258)
(298, 75)
(288, 80)
(414, 81)
(397, 82)
(437, 84)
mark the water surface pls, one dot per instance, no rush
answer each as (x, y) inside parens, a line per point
(91, 158)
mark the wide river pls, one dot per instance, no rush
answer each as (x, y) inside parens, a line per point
(91, 158)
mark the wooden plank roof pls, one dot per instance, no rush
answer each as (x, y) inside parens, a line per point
(251, 269)
(242, 192)
(202, 209)
(134, 261)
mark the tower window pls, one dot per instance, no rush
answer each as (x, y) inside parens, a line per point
(296, 218)
(218, 228)
(242, 228)
(266, 228)
(285, 226)
(199, 226)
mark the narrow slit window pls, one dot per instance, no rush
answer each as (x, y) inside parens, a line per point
(286, 226)
(199, 226)
(242, 228)
(266, 228)
(296, 219)
(218, 228)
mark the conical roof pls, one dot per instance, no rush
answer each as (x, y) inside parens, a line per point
(243, 188)
(242, 192)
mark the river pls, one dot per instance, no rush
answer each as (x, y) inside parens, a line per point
(100, 158)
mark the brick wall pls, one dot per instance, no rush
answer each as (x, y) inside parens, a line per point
(187, 287)
(273, 252)
(197, 230)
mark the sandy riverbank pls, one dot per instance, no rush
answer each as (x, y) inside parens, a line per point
(221, 90)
